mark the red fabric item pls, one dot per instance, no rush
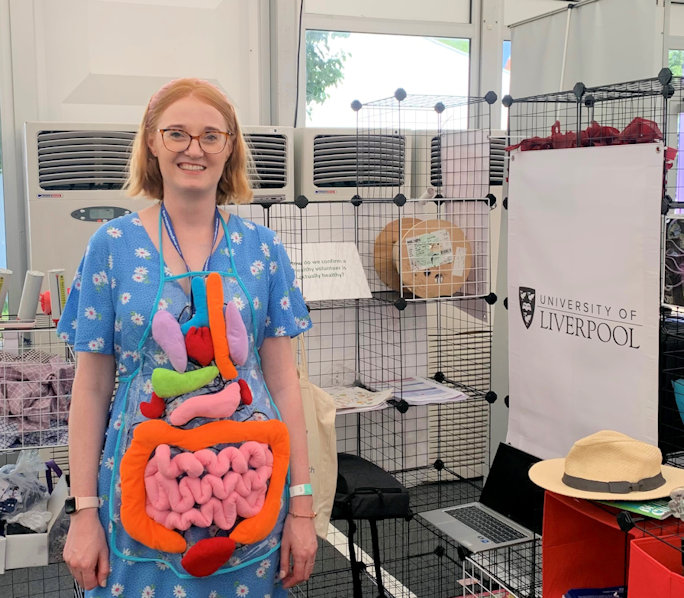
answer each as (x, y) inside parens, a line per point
(641, 130)
(670, 155)
(154, 408)
(562, 140)
(245, 392)
(656, 568)
(199, 345)
(206, 556)
(597, 135)
(45, 303)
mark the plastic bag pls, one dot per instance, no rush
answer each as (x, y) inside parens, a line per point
(21, 489)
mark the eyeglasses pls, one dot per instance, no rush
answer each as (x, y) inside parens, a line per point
(178, 140)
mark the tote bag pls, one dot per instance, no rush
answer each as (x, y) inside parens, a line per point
(319, 414)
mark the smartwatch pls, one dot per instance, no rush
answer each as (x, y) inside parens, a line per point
(74, 504)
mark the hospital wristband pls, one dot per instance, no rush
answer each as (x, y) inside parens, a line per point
(301, 490)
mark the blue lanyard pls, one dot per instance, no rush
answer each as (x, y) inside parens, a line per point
(174, 240)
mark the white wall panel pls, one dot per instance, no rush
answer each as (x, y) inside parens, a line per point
(452, 11)
(100, 60)
(676, 20)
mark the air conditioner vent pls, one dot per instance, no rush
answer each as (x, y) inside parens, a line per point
(363, 161)
(497, 154)
(83, 160)
(269, 160)
(497, 158)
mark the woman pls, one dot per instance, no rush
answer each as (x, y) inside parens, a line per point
(193, 309)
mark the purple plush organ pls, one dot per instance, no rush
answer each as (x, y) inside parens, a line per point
(237, 334)
(166, 331)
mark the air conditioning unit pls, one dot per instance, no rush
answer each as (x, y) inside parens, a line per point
(459, 163)
(337, 164)
(74, 175)
(271, 171)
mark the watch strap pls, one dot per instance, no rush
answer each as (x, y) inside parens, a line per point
(74, 504)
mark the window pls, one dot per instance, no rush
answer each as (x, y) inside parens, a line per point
(343, 67)
(505, 80)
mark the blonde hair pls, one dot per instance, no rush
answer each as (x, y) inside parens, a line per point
(144, 176)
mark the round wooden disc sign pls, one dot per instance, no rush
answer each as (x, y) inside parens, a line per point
(432, 257)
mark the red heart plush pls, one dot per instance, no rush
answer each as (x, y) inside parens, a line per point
(154, 407)
(199, 345)
(245, 392)
(207, 556)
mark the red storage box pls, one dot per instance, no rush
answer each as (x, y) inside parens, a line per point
(656, 568)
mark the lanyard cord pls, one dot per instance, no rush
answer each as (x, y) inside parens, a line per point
(174, 240)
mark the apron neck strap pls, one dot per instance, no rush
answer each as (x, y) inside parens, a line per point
(166, 219)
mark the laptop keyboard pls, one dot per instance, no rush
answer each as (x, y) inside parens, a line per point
(483, 523)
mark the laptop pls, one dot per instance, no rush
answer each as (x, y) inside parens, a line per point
(510, 509)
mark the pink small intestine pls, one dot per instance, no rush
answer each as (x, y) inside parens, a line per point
(234, 485)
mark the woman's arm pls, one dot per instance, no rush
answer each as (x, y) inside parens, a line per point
(86, 551)
(299, 536)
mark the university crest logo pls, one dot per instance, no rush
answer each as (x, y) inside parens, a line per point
(527, 297)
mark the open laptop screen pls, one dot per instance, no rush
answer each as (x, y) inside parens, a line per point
(509, 491)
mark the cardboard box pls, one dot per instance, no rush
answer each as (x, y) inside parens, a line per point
(31, 550)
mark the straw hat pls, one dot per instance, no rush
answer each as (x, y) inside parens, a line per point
(609, 465)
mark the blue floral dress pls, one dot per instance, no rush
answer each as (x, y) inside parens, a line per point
(120, 284)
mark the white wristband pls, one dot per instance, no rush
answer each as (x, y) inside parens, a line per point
(301, 490)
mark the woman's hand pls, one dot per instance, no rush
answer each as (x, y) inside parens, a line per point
(85, 551)
(297, 550)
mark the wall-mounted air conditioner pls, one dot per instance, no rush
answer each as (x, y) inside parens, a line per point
(341, 163)
(271, 172)
(74, 175)
(462, 164)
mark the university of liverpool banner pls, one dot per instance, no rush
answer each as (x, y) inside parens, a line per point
(583, 294)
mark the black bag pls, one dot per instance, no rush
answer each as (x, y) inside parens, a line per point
(366, 491)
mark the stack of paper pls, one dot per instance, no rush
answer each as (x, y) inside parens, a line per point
(423, 391)
(355, 399)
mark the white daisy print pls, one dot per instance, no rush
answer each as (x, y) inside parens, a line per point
(138, 277)
(285, 303)
(249, 225)
(265, 564)
(93, 346)
(273, 267)
(161, 358)
(259, 265)
(125, 551)
(64, 336)
(236, 238)
(125, 298)
(272, 541)
(179, 592)
(148, 592)
(117, 589)
(256, 302)
(109, 463)
(147, 386)
(90, 313)
(280, 331)
(234, 561)
(163, 566)
(110, 527)
(96, 279)
(265, 250)
(117, 423)
(110, 261)
(137, 319)
(122, 368)
(303, 323)
(136, 221)
(114, 233)
(239, 303)
(241, 590)
(163, 305)
(268, 321)
(167, 271)
(74, 324)
(77, 284)
(113, 285)
(276, 240)
(260, 572)
(213, 594)
(118, 325)
(142, 253)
